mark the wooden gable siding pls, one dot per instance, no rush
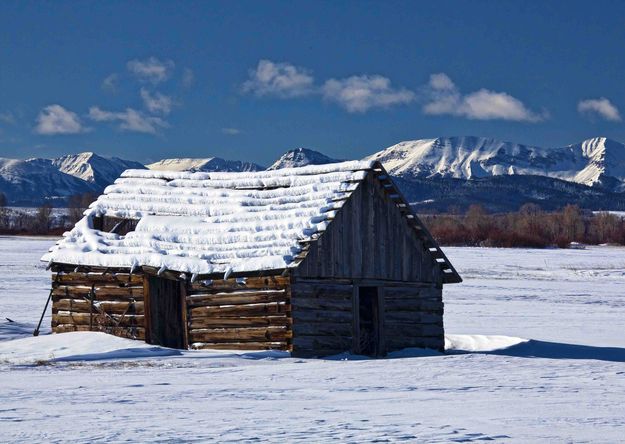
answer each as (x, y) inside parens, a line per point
(370, 239)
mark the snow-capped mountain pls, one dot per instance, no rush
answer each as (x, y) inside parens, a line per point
(35, 181)
(433, 173)
(93, 168)
(593, 162)
(208, 164)
(301, 157)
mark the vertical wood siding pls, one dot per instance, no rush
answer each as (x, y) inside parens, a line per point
(370, 239)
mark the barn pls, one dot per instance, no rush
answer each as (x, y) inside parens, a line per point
(315, 260)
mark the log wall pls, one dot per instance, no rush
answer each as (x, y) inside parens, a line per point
(322, 317)
(230, 314)
(413, 317)
(324, 321)
(111, 303)
(308, 317)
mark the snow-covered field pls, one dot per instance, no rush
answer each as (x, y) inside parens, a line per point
(565, 383)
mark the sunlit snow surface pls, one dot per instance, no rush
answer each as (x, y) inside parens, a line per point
(536, 353)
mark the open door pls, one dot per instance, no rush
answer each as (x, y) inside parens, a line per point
(368, 331)
(165, 313)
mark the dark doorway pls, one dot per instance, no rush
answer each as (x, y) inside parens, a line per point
(369, 322)
(165, 305)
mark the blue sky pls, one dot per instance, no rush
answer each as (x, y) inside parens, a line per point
(249, 80)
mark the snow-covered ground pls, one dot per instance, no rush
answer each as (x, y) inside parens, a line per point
(536, 352)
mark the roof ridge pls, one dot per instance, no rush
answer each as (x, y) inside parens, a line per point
(352, 165)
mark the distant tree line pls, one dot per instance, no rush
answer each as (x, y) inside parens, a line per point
(42, 220)
(528, 227)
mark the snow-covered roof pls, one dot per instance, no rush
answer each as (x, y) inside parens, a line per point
(206, 223)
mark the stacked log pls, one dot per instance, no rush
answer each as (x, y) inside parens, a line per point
(322, 318)
(254, 314)
(107, 302)
(413, 317)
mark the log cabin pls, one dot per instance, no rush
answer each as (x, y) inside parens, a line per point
(316, 260)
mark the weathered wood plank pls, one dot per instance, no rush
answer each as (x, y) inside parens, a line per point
(112, 307)
(241, 310)
(252, 321)
(322, 304)
(417, 331)
(415, 305)
(363, 282)
(322, 329)
(239, 334)
(101, 293)
(273, 345)
(325, 289)
(407, 292)
(436, 343)
(269, 282)
(99, 319)
(321, 316)
(125, 332)
(184, 313)
(97, 278)
(318, 342)
(411, 317)
(236, 298)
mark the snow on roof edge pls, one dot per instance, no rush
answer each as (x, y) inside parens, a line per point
(352, 165)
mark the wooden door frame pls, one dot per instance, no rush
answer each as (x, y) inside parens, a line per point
(381, 346)
(184, 314)
(148, 314)
(146, 309)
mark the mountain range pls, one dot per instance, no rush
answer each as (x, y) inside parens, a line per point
(301, 157)
(207, 165)
(593, 162)
(434, 174)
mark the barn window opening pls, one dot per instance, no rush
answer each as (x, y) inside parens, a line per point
(117, 225)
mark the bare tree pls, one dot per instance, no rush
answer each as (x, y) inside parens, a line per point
(4, 215)
(77, 204)
(43, 219)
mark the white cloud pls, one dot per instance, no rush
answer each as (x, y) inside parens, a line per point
(188, 77)
(110, 83)
(441, 82)
(54, 119)
(358, 94)
(278, 79)
(151, 70)
(157, 103)
(601, 106)
(231, 131)
(129, 120)
(443, 97)
(8, 118)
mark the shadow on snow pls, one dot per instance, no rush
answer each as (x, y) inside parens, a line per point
(528, 349)
(557, 350)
